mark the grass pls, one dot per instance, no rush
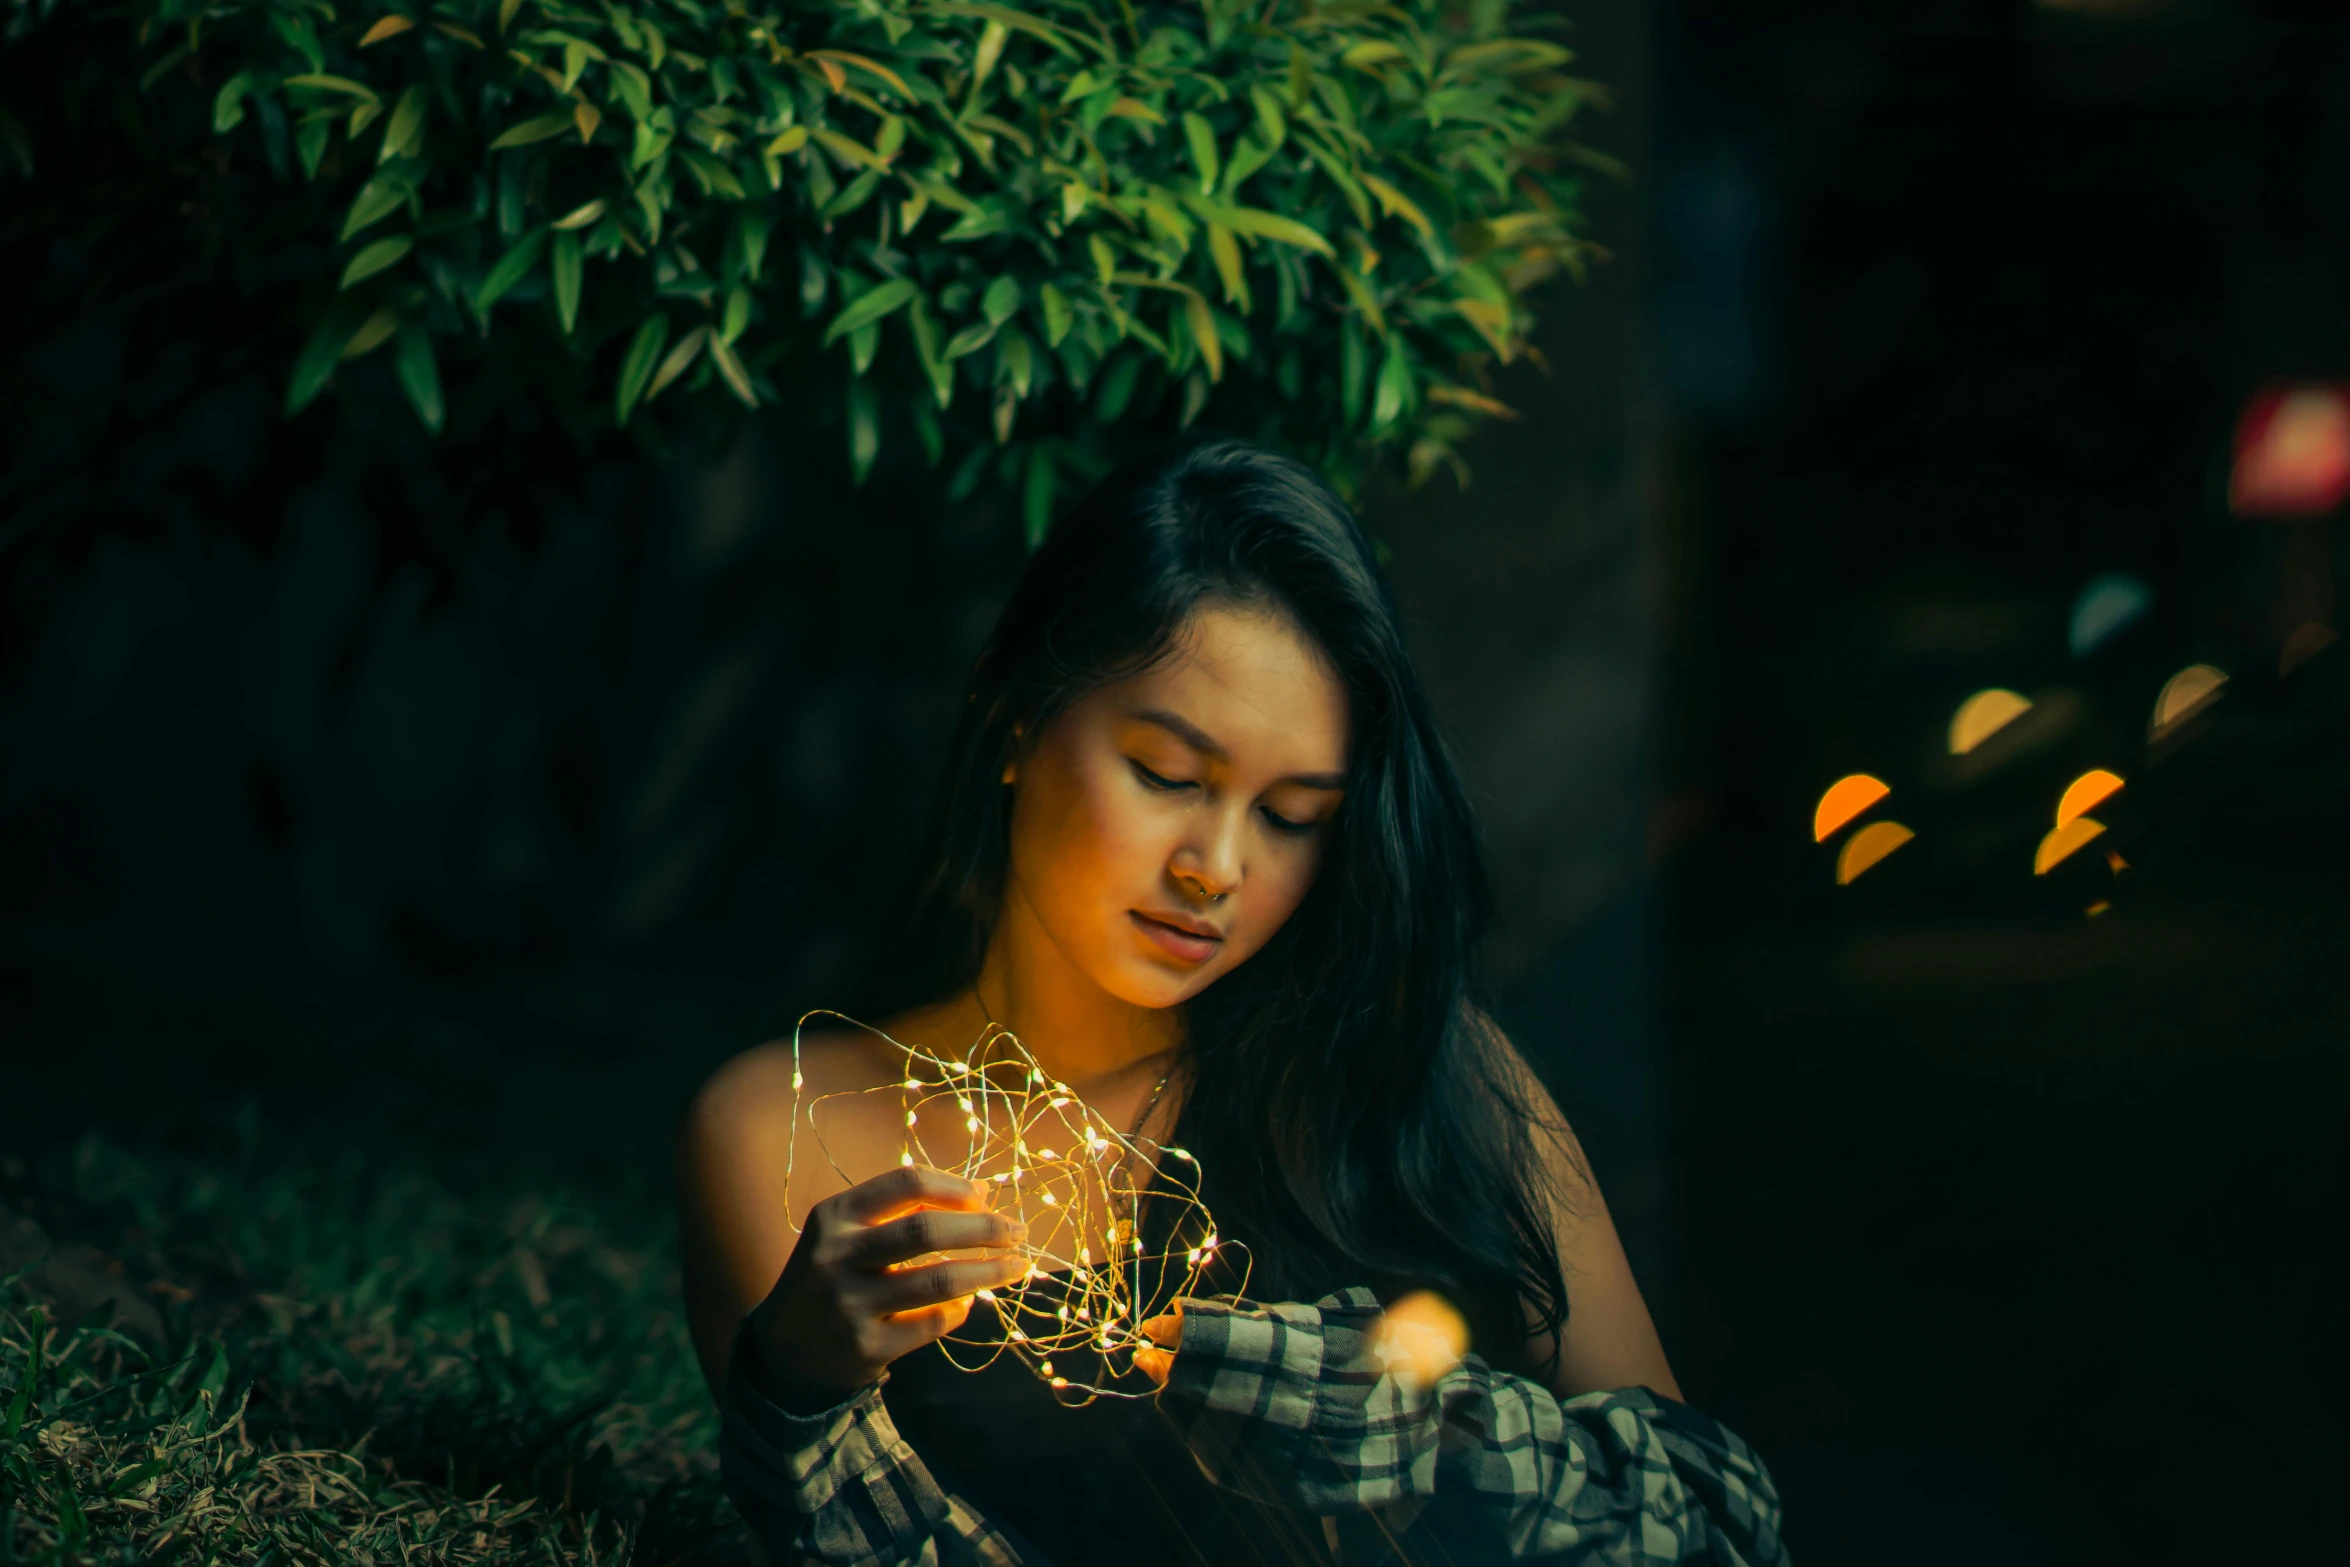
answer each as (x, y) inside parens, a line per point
(342, 1362)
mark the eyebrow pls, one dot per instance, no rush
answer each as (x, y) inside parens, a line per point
(1195, 737)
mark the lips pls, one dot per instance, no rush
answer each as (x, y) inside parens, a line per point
(1193, 941)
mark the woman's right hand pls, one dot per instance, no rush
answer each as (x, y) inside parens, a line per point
(846, 1306)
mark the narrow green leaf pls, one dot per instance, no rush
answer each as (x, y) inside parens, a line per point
(872, 305)
(970, 340)
(934, 364)
(1202, 324)
(380, 197)
(372, 333)
(420, 375)
(564, 265)
(317, 82)
(1117, 387)
(864, 343)
(636, 366)
(1271, 225)
(738, 315)
(540, 128)
(511, 269)
(1001, 301)
(864, 429)
(228, 105)
(1204, 158)
(404, 132)
(1036, 495)
(1395, 386)
(1226, 251)
(1058, 316)
(680, 360)
(731, 371)
(321, 352)
(377, 257)
(581, 216)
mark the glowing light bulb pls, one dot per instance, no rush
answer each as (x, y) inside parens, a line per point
(987, 1294)
(913, 1082)
(906, 1158)
(909, 1118)
(970, 1123)
(963, 1102)
(1048, 1196)
(796, 1080)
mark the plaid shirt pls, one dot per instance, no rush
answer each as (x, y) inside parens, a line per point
(1295, 1405)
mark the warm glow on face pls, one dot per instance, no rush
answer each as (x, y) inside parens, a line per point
(1116, 815)
(1422, 1336)
(2085, 794)
(1867, 846)
(1846, 798)
(1983, 715)
(2061, 844)
(2187, 693)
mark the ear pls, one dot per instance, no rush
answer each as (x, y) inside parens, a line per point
(1012, 764)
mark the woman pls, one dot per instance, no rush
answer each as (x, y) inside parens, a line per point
(1199, 847)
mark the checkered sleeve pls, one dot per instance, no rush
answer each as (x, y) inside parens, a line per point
(1296, 1405)
(841, 1487)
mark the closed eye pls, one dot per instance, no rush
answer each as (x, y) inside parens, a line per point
(1156, 782)
(1284, 824)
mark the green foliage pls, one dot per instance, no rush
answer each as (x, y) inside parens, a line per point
(1017, 234)
(360, 1366)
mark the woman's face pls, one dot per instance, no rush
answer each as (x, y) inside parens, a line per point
(1164, 827)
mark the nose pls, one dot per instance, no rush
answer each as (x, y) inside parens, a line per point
(1208, 862)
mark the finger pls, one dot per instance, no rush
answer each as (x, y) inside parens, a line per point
(906, 1331)
(1166, 1331)
(906, 1188)
(1154, 1363)
(931, 1229)
(909, 1289)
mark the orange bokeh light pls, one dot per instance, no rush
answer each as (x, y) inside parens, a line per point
(2064, 842)
(2085, 794)
(1983, 715)
(1866, 847)
(1846, 799)
(2185, 694)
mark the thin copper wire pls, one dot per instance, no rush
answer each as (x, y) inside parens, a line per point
(1096, 1187)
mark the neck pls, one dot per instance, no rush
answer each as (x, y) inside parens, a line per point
(1078, 1032)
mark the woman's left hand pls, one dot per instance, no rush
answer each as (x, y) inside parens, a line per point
(1166, 1332)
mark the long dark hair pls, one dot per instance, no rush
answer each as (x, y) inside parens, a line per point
(1354, 1110)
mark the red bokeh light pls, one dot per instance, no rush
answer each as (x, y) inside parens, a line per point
(2292, 452)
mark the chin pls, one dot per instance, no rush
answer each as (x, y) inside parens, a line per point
(1144, 985)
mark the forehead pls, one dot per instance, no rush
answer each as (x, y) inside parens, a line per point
(1253, 683)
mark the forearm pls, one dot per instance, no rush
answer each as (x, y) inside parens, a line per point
(839, 1486)
(1293, 1404)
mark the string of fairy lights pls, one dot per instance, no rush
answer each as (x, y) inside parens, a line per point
(994, 1115)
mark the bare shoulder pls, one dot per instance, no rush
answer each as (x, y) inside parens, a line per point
(1516, 1078)
(743, 1133)
(1609, 1338)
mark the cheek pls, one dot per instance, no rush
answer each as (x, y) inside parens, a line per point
(1277, 885)
(1081, 839)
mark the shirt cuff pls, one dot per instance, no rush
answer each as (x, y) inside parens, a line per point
(799, 1459)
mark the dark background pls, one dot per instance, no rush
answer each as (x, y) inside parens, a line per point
(480, 809)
